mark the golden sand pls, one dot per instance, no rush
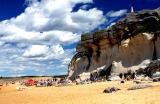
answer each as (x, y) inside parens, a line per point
(81, 94)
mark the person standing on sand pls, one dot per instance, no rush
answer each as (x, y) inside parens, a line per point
(133, 76)
(121, 75)
(125, 76)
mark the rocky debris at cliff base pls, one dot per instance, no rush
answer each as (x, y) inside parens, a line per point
(156, 79)
(143, 78)
(114, 78)
(157, 74)
(152, 70)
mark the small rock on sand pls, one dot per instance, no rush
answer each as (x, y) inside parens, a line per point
(110, 90)
(139, 86)
(156, 79)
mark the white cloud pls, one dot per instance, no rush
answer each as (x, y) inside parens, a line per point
(41, 19)
(36, 37)
(48, 15)
(1, 43)
(63, 37)
(49, 37)
(88, 19)
(117, 13)
(66, 61)
(57, 49)
(22, 45)
(36, 51)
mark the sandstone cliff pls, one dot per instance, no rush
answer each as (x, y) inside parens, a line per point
(131, 44)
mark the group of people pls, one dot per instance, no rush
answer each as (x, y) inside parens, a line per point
(48, 82)
(127, 76)
(40, 83)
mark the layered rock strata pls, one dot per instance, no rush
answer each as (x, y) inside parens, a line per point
(131, 44)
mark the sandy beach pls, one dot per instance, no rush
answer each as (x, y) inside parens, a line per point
(81, 94)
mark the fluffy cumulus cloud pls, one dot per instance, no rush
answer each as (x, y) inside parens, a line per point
(36, 51)
(34, 41)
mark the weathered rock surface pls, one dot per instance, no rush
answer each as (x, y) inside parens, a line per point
(152, 69)
(131, 44)
(110, 89)
(139, 86)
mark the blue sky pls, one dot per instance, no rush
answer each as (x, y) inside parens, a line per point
(38, 37)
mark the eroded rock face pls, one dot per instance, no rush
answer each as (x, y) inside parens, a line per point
(130, 44)
(152, 69)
